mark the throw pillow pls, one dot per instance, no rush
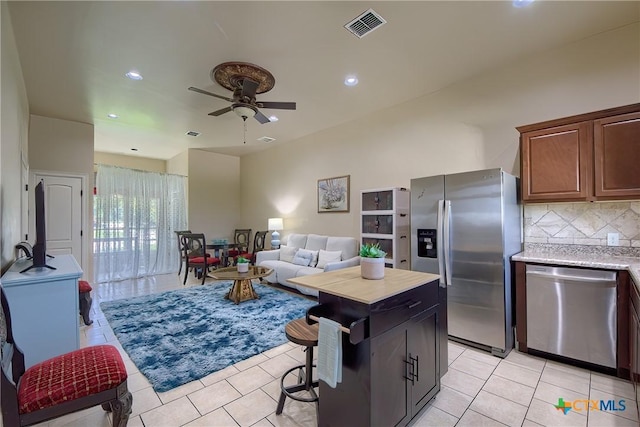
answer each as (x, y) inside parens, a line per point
(325, 257)
(312, 255)
(287, 253)
(302, 258)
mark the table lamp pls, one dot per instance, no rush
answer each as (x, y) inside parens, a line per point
(275, 224)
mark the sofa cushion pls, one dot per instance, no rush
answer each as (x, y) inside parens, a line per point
(275, 265)
(287, 253)
(288, 271)
(348, 246)
(297, 240)
(313, 255)
(325, 257)
(316, 242)
(302, 259)
(306, 258)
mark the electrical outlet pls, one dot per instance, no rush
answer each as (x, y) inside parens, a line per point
(613, 239)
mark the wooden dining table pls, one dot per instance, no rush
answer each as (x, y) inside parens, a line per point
(221, 250)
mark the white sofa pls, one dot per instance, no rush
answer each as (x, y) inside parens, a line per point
(323, 253)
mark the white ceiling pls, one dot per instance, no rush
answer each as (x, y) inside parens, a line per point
(74, 56)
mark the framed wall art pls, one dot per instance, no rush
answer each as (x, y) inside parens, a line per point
(333, 194)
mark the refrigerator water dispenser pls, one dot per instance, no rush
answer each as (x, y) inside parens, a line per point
(427, 243)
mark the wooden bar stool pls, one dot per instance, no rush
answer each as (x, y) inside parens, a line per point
(84, 289)
(299, 332)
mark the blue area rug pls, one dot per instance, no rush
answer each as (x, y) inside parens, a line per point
(179, 336)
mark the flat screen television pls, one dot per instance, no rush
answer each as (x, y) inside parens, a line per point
(40, 247)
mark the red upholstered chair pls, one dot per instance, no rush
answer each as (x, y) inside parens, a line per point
(64, 384)
(241, 237)
(194, 249)
(180, 233)
(258, 245)
(84, 291)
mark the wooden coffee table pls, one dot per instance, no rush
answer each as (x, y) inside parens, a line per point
(242, 289)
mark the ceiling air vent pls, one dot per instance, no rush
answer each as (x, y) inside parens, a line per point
(266, 139)
(365, 23)
(193, 133)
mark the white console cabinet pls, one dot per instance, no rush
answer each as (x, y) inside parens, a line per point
(44, 307)
(385, 220)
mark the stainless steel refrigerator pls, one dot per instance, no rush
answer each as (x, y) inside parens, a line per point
(465, 227)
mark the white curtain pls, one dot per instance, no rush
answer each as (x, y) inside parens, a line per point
(135, 216)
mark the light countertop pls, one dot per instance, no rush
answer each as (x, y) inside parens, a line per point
(348, 283)
(584, 256)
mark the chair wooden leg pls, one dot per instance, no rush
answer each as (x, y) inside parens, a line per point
(186, 273)
(85, 307)
(121, 410)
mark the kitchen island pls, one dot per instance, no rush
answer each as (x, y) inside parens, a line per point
(391, 354)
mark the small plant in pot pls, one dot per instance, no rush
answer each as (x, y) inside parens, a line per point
(242, 264)
(372, 261)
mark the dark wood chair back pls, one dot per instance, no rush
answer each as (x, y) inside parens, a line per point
(115, 398)
(242, 238)
(194, 247)
(258, 244)
(180, 252)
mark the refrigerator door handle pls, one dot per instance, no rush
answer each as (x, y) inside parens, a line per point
(440, 239)
(447, 242)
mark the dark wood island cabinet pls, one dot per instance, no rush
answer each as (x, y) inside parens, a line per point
(391, 358)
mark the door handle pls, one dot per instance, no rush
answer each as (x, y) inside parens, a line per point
(440, 239)
(447, 242)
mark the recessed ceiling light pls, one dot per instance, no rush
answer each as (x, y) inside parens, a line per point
(112, 116)
(134, 75)
(351, 81)
(522, 3)
(134, 149)
(273, 118)
(266, 139)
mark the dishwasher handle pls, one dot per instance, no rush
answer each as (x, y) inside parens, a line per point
(556, 276)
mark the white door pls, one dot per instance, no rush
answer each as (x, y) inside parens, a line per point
(63, 214)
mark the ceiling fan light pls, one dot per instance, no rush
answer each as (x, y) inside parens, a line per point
(244, 112)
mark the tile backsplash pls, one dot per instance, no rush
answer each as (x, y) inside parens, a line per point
(582, 223)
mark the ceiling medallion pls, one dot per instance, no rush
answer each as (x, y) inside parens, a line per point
(230, 75)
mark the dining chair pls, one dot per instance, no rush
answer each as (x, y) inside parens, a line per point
(180, 251)
(61, 385)
(242, 238)
(258, 245)
(196, 257)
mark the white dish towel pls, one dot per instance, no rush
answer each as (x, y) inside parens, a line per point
(329, 352)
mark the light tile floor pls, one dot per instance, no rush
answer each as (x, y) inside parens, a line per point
(478, 389)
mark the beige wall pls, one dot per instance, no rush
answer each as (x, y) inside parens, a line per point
(14, 125)
(130, 162)
(179, 165)
(214, 184)
(60, 145)
(470, 125)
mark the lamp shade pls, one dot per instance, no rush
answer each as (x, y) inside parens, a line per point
(275, 224)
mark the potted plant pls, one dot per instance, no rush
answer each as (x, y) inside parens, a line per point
(372, 261)
(242, 264)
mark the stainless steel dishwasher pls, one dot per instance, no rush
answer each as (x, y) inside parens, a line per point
(571, 312)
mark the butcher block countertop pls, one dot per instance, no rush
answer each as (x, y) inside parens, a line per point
(608, 257)
(348, 283)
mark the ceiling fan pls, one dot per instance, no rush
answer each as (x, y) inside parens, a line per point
(245, 80)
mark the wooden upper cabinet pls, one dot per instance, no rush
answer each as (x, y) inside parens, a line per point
(593, 156)
(617, 156)
(556, 163)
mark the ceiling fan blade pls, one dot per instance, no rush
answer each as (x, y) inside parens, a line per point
(221, 111)
(249, 88)
(278, 105)
(261, 117)
(204, 92)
